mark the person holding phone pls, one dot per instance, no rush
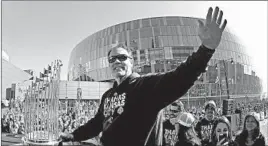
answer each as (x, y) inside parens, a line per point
(221, 133)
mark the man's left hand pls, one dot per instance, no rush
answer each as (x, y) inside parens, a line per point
(210, 33)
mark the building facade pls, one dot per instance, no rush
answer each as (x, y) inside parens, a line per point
(160, 44)
(11, 75)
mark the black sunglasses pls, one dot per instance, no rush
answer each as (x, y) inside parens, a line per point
(122, 57)
(174, 111)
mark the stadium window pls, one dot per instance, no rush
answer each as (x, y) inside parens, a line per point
(175, 40)
(180, 40)
(102, 42)
(156, 42)
(113, 29)
(145, 23)
(172, 21)
(104, 32)
(156, 31)
(98, 52)
(187, 28)
(151, 54)
(185, 40)
(161, 21)
(109, 31)
(174, 30)
(121, 37)
(183, 30)
(113, 38)
(179, 30)
(117, 28)
(169, 30)
(135, 24)
(134, 34)
(128, 25)
(146, 32)
(170, 41)
(165, 41)
(122, 27)
(105, 41)
(163, 30)
(155, 22)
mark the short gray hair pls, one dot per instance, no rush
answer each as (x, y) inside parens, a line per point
(121, 45)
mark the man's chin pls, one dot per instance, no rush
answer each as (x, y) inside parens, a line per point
(119, 74)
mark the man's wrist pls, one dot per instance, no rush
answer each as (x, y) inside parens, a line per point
(207, 47)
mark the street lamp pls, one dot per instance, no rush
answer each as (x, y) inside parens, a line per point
(225, 74)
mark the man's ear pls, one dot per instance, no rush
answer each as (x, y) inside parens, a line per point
(132, 61)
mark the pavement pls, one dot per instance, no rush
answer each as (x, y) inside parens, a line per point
(10, 139)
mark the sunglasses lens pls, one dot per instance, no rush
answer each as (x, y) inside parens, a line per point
(119, 57)
(122, 58)
(111, 60)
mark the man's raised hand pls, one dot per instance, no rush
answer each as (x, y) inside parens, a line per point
(210, 33)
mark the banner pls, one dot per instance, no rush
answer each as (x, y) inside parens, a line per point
(79, 93)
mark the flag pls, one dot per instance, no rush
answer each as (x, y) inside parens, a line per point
(38, 79)
(46, 84)
(60, 63)
(217, 80)
(43, 88)
(43, 75)
(47, 71)
(49, 68)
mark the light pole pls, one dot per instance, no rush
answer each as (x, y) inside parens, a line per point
(225, 74)
(66, 99)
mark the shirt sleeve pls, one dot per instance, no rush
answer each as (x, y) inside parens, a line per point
(165, 88)
(93, 127)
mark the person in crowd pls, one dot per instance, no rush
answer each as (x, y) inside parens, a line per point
(250, 135)
(129, 109)
(187, 135)
(204, 126)
(221, 133)
(165, 131)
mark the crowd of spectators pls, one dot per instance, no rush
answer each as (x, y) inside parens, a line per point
(82, 111)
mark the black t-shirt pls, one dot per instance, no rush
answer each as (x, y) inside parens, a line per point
(170, 135)
(204, 129)
(238, 111)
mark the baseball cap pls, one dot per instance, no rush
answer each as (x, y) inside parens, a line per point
(210, 103)
(186, 119)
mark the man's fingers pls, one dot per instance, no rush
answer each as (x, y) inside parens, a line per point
(209, 15)
(215, 14)
(220, 18)
(223, 25)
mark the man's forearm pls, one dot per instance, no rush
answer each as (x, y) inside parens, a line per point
(91, 129)
(168, 87)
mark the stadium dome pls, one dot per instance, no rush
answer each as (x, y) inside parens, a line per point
(159, 44)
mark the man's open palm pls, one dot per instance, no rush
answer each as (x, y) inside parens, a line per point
(210, 33)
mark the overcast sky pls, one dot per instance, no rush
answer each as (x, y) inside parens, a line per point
(34, 33)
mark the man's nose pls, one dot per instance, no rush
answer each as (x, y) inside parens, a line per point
(117, 60)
